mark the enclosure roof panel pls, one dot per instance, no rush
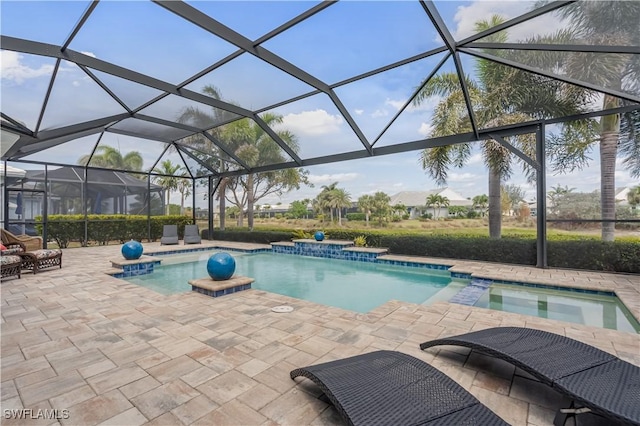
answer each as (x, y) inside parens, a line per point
(298, 83)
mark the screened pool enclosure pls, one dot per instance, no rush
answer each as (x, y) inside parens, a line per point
(240, 93)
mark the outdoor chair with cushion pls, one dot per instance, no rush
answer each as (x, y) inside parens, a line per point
(392, 388)
(31, 243)
(192, 234)
(38, 260)
(10, 264)
(169, 234)
(595, 380)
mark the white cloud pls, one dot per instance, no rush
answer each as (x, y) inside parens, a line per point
(427, 105)
(467, 16)
(312, 123)
(396, 104)
(475, 159)
(463, 177)
(425, 129)
(93, 55)
(12, 68)
(330, 178)
(359, 111)
(379, 113)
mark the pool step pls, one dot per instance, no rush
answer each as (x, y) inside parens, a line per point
(470, 294)
(446, 293)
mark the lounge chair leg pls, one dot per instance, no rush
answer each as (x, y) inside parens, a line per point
(564, 414)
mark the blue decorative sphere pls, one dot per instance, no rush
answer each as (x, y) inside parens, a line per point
(221, 266)
(131, 250)
(319, 235)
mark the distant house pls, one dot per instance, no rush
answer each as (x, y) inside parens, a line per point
(416, 201)
(621, 196)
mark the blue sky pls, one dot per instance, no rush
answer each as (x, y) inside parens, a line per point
(344, 40)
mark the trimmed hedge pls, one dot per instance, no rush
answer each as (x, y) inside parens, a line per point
(101, 229)
(356, 216)
(562, 252)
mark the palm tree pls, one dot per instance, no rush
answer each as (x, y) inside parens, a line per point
(444, 201)
(111, 158)
(591, 24)
(556, 194)
(365, 204)
(501, 96)
(339, 199)
(168, 181)
(480, 202)
(184, 187)
(433, 200)
(203, 120)
(321, 202)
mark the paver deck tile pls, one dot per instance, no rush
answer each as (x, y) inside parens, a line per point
(194, 409)
(98, 409)
(164, 398)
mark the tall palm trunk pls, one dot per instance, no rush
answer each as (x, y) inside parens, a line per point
(222, 189)
(339, 216)
(495, 208)
(250, 201)
(608, 153)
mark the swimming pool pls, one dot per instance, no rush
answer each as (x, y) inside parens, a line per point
(363, 286)
(356, 286)
(599, 310)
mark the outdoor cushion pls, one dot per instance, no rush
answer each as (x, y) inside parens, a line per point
(192, 234)
(6, 260)
(46, 253)
(13, 250)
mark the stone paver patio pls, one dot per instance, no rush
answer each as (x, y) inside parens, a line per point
(113, 353)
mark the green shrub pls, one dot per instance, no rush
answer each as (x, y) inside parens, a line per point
(360, 241)
(301, 234)
(255, 236)
(564, 251)
(102, 229)
(356, 216)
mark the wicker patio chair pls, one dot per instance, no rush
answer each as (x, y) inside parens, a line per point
(38, 260)
(392, 388)
(10, 265)
(31, 243)
(595, 380)
(192, 234)
(169, 234)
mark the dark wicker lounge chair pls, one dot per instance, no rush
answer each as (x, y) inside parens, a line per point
(597, 380)
(392, 388)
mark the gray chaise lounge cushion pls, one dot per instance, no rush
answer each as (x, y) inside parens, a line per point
(192, 234)
(169, 234)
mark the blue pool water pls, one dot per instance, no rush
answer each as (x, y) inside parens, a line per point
(362, 286)
(356, 286)
(582, 308)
